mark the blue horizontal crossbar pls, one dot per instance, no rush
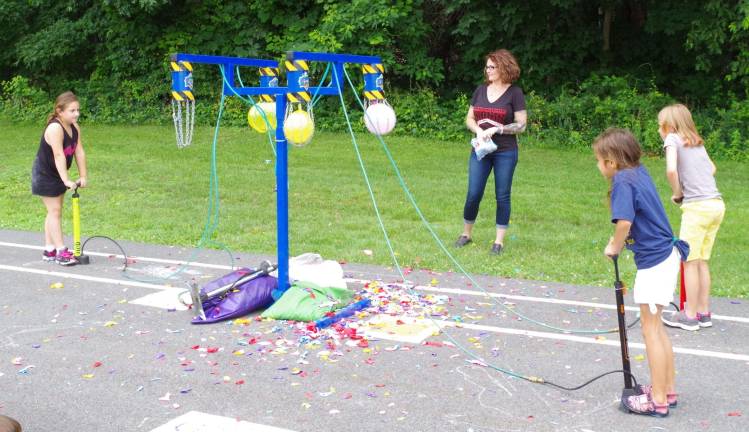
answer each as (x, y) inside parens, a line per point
(330, 57)
(324, 90)
(254, 91)
(237, 61)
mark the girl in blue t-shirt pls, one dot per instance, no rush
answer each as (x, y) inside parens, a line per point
(642, 224)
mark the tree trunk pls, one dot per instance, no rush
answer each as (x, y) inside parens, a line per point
(608, 14)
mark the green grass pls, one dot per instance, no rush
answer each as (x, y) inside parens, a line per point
(142, 188)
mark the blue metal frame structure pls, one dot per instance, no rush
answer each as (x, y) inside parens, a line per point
(294, 86)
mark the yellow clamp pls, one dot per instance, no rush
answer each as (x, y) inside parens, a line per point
(372, 68)
(296, 65)
(181, 66)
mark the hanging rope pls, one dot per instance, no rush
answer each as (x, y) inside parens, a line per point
(441, 244)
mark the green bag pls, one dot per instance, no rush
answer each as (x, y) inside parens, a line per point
(305, 301)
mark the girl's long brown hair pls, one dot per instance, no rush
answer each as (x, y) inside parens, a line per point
(678, 118)
(61, 103)
(619, 146)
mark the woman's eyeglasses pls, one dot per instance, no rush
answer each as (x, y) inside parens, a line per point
(490, 67)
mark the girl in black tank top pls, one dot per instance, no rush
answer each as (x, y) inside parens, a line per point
(45, 178)
(59, 145)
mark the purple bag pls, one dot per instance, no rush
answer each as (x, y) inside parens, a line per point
(243, 299)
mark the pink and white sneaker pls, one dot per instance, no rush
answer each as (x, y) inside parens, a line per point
(705, 320)
(671, 398)
(65, 257)
(49, 255)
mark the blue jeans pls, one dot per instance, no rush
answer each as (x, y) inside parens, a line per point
(503, 164)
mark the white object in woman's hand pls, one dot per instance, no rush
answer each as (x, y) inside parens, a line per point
(486, 134)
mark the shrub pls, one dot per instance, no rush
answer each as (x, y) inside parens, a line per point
(727, 132)
(571, 120)
(574, 118)
(20, 101)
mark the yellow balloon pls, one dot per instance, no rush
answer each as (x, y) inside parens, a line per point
(299, 127)
(255, 118)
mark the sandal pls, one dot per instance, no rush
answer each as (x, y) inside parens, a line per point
(643, 404)
(497, 249)
(462, 241)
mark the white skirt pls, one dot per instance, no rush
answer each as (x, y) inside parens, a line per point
(655, 286)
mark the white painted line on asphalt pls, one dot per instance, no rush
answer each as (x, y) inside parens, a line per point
(84, 277)
(457, 291)
(445, 323)
(195, 421)
(589, 340)
(137, 258)
(460, 291)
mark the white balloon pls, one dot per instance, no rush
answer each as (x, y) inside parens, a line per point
(380, 119)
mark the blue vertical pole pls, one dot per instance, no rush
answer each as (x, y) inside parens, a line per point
(282, 199)
(229, 74)
(338, 80)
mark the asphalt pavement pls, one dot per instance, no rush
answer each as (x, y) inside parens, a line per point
(90, 348)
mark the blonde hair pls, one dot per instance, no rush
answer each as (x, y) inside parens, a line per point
(61, 103)
(678, 118)
(619, 146)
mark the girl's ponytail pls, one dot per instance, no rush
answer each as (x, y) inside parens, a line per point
(61, 103)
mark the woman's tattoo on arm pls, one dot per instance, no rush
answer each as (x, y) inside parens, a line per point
(513, 128)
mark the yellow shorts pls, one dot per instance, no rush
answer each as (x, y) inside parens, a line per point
(700, 221)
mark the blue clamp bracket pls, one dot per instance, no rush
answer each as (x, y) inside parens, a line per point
(229, 64)
(182, 81)
(373, 81)
(297, 80)
(337, 60)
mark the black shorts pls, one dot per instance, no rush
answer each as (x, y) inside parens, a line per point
(43, 184)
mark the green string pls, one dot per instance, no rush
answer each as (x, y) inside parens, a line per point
(441, 244)
(251, 102)
(316, 97)
(212, 217)
(392, 254)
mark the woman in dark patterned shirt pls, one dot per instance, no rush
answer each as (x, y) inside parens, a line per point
(497, 113)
